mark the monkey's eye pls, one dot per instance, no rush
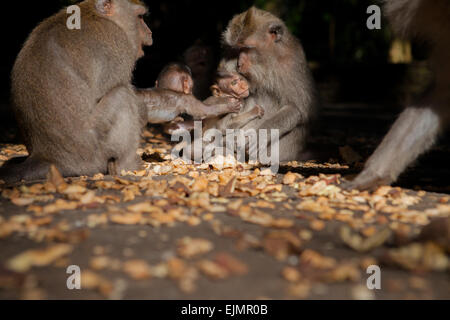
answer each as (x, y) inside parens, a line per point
(276, 31)
(234, 82)
(144, 15)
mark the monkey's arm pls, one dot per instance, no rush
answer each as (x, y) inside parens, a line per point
(159, 108)
(286, 119)
(240, 120)
(166, 105)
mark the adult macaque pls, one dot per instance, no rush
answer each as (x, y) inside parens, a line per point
(172, 96)
(273, 62)
(416, 129)
(72, 93)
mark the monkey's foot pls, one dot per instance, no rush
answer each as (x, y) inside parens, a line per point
(366, 180)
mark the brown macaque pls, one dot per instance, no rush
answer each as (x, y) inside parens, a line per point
(416, 129)
(172, 96)
(273, 62)
(176, 77)
(200, 59)
(231, 84)
(72, 93)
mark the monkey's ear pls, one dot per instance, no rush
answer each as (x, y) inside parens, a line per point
(186, 87)
(215, 90)
(104, 7)
(156, 84)
(248, 19)
(276, 31)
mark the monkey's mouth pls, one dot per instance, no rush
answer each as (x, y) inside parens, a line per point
(244, 94)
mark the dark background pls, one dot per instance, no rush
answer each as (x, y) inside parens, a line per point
(332, 32)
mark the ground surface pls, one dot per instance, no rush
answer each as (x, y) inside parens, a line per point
(234, 231)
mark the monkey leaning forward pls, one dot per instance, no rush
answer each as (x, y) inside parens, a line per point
(273, 62)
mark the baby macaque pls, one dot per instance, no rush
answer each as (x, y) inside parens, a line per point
(229, 85)
(164, 102)
(176, 77)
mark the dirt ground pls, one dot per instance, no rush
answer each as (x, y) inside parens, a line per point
(234, 231)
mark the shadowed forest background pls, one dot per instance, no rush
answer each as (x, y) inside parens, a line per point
(333, 33)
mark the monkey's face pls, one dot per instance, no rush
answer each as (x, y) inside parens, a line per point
(260, 47)
(145, 34)
(129, 15)
(235, 86)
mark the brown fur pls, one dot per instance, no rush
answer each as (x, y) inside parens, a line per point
(273, 61)
(416, 129)
(72, 94)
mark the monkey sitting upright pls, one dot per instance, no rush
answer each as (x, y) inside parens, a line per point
(272, 59)
(228, 85)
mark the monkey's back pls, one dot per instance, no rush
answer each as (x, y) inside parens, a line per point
(60, 75)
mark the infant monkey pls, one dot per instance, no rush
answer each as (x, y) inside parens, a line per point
(228, 85)
(176, 77)
(172, 96)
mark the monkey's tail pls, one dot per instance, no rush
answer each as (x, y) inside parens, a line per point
(25, 168)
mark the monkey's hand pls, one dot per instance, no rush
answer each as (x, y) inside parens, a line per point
(228, 105)
(258, 111)
(223, 105)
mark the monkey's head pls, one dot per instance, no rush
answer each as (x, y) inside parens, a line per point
(261, 40)
(176, 77)
(231, 84)
(129, 15)
(255, 29)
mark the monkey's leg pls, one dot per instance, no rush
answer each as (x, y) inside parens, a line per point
(292, 145)
(119, 127)
(412, 134)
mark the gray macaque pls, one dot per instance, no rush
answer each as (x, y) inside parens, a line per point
(72, 93)
(273, 62)
(418, 126)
